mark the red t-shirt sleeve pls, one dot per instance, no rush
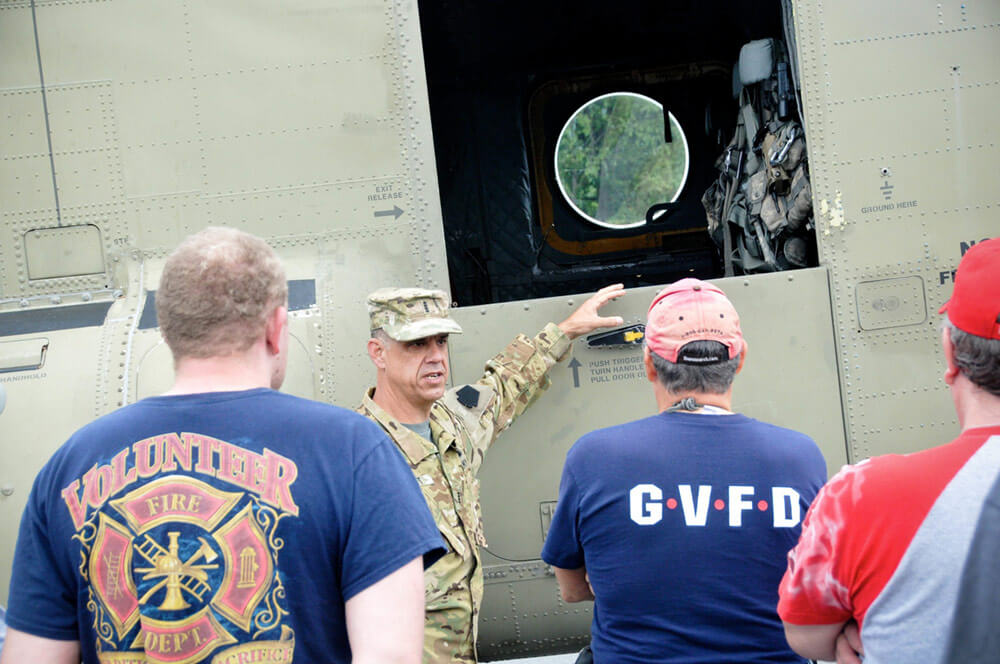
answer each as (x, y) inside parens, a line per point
(814, 590)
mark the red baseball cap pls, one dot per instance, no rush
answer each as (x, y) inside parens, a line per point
(974, 306)
(692, 310)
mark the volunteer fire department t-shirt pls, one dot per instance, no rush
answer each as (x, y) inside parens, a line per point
(683, 522)
(224, 527)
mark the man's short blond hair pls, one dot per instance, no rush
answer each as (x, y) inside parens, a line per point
(217, 290)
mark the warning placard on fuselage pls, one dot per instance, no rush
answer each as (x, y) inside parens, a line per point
(614, 369)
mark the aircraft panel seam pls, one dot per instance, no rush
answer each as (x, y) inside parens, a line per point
(45, 111)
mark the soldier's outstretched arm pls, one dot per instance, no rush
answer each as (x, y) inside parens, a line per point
(587, 317)
(385, 621)
(23, 647)
(516, 376)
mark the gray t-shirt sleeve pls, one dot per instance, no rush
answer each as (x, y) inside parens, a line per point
(975, 635)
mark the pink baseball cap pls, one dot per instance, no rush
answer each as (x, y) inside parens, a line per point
(692, 310)
(974, 306)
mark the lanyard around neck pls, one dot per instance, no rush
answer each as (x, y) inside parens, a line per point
(690, 405)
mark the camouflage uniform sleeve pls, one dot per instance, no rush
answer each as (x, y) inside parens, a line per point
(511, 382)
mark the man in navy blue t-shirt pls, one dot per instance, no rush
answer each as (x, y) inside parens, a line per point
(677, 525)
(222, 521)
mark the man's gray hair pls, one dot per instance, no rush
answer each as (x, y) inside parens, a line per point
(706, 378)
(976, 357)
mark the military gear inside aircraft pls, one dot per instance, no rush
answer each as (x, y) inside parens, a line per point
(760, 209)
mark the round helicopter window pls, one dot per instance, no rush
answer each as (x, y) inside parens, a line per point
(613, 162)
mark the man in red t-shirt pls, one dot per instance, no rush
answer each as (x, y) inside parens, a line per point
(877, 567)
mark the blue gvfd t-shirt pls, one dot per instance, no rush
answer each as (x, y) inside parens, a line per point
(227, 525)
(683, 522)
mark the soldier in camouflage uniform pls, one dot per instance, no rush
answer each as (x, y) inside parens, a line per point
(444, 434)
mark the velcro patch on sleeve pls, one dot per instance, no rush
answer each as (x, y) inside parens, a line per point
(468, 396)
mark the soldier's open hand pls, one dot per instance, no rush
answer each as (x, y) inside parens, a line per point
(587, 319)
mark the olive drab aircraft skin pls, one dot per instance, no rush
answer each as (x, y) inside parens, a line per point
(383, 142)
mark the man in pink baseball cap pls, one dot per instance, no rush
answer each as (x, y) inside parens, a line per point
(692, 310)
(878, 569)
(677, 525)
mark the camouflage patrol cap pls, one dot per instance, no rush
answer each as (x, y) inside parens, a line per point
(406, 314)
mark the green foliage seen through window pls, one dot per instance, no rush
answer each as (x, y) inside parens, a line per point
(613, 163)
